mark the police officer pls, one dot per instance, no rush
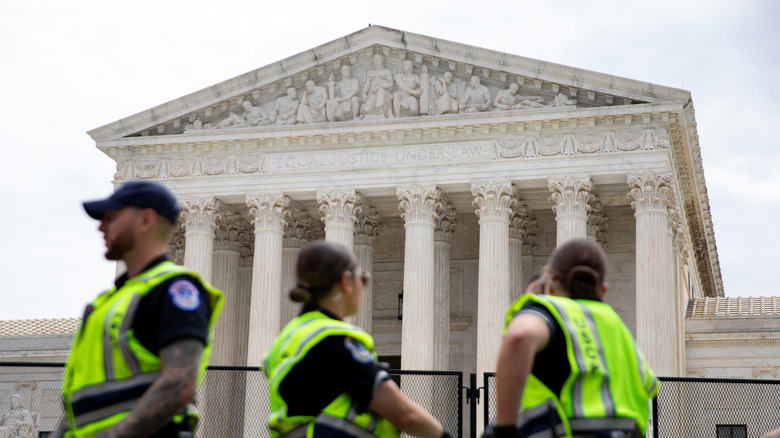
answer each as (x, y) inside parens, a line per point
(143, 345)
(569, 360)
(323, 375)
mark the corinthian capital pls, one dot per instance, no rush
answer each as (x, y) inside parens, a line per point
(523, 227)
(338, 207)
(446, 220)
(418, 203)
(176, 246)
(370, 224)
(494, 199)
(267, 210)
(650, 192)
(298, 229)
(200, 214)
(231, 231)
(570, 195)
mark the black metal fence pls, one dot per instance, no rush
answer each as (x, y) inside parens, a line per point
(232, 400)
(722, 408)
(698, 407)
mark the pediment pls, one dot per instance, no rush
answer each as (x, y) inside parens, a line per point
(257, 99)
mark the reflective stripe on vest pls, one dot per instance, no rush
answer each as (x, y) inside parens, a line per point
(580, 334)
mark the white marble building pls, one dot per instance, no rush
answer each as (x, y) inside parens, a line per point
(453, 172)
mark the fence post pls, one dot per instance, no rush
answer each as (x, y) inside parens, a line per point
(655, 417)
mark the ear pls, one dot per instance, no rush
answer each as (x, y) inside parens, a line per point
(603, 291)
(346, 282)
(148, 219)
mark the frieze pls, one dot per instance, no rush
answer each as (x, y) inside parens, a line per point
(530, 146)
(524, 146)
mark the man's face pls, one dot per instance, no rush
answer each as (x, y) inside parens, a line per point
(474, 81)
(513, 89)
(345, 72)
(119, 231)
(447, 77)
(291, 93)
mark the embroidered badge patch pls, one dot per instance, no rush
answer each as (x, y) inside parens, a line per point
(359, 352)
(184, 295)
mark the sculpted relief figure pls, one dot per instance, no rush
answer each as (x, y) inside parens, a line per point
(445, 95)
(376, 91)
(509, 100)
(312, 107)
(343, 103)
(254, 115)
(18, 422)
(562, 100)
(409, 91)
(286, 108)
(477, 97)
(425, 87)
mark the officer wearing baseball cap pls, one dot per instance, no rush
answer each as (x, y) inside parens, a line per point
(143, 345)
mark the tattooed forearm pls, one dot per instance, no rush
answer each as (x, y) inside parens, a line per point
(168, 395)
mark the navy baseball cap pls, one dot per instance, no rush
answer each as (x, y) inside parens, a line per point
(142, 194)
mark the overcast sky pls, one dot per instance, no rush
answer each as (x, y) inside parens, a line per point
(67, 67)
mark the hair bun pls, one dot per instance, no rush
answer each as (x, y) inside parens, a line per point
(583, 281)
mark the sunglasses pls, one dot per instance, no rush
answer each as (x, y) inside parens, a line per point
(365, 277)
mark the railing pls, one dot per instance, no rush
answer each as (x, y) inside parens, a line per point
(232, 401)
(697, 407)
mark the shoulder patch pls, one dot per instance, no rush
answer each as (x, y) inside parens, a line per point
(359, 352)
(184, 295)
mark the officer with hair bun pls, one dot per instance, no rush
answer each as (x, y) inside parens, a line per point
(324, 380)
(568, 360)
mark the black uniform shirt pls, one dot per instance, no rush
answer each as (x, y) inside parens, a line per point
(551, 365)
(337, 364)
(176, 309)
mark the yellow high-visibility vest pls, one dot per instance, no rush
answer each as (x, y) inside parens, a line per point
(295, 340)
(610, 383)
(108, 369)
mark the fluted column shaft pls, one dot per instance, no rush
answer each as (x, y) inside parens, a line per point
(266, 211)
(570, 197)
(370, 224)
(199, 218)
(418, 207)
(521, 227)
(494, 201)
(298, 232)
(446, 223)
(656, 303)
(338, 210)
(231, 231)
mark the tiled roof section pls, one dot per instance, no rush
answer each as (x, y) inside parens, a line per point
(39, 327)
(733, 307)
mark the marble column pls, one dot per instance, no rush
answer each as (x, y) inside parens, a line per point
(418, 206)
(199, 219)
(495, 201)
(338, 210)
(571, 197)
(266, 212)
(217, 419)
(230, 232)
(655, 297)
(446, 222)
(297, 233)
(678, 253)
(520, 228)
(370, 224)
